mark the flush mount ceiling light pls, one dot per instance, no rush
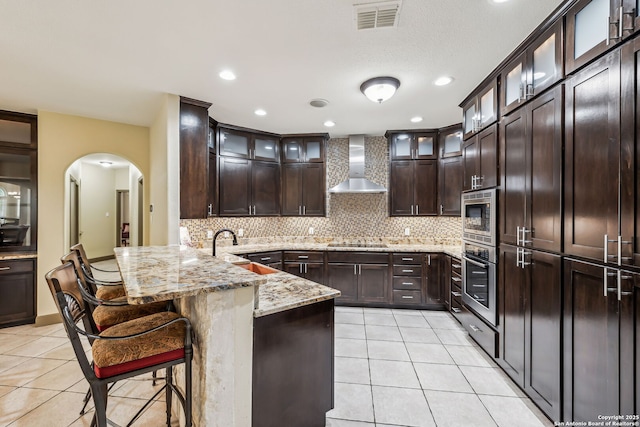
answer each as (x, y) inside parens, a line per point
(329, 123)
(498, 1)
(105, 163)
(227, 75)
(260, 112)
(379, 89)
(443, 81)
(319, 103)
(416, 119)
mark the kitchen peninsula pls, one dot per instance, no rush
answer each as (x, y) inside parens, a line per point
(231, 308)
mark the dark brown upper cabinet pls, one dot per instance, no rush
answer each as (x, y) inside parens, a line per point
(18, 130)
(534, 70)
(413, 145)
(531, 168)
(194, 159)
(480, 160)
(248, 145)
(594, 26)
(212, 193)
(413, 188)
(450, 170)
(593, 165)
(303, 189)
(450, 141)
(480, 110)
(303, 149)
(249, 187)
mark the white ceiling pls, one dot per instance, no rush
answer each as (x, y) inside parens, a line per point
(114, 59)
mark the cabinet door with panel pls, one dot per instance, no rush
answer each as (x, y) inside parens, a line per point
(481, 160)
(592, 159)
(481, 110)
(401, 191)
(235, 186)
(343, 277)
(450, 171)
(425, 180)
(291, 189)
(17, 292)
(303, 189)
(433, 281)
(234, 143)
(598, 325)
(265, 188)
(194, 158)
(373, 282)
(309, 149)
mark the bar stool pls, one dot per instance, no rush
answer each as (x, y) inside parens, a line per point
(158, 341)
(104, 289)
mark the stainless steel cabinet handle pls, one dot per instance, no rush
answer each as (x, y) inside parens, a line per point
(529, 93)
(407, 283)
(521, 93)
(407, 259)
(429, 259)
(267, 258)
(355, 269)
(360, 269)
(456, 294)
(300, 268)
(304, 210)
(306, 268)
(605, 280)
(518, 236)
(299, 210)
(632, 14)
(407, 297)
(407, 271)
(411, 209)
(474, 328)
(417, 210)
(455, 310)
(303, 256)
(210, 209)
(456, 279)
(441, 209)
(456, 266)
(254, 209)
(5, 268)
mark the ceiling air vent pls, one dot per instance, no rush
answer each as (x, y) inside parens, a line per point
(377, 15)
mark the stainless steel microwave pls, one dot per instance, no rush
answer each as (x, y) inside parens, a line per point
(480, 216)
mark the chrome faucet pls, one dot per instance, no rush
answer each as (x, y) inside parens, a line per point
(215, 236)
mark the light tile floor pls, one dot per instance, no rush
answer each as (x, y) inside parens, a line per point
(393, 368)
(419, 368)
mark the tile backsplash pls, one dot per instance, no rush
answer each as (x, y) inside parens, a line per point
(349, 216)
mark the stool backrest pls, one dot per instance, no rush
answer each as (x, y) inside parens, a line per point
(85, 265)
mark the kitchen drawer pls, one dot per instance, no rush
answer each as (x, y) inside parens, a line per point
(456, 309)
(304, 256)
(407, 270)
(16, 266)
(407, 283)
(408, 259)
(485, 336)
(456, 280)
(456, 267)
(358, 257)
(407, 297)
(456, 294)
(266, 257)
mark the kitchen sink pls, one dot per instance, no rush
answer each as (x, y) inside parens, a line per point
(357, 245)
(254, 267)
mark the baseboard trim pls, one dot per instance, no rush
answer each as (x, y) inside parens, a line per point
(48, 319)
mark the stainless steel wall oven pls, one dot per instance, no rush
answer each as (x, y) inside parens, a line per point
(479, 280)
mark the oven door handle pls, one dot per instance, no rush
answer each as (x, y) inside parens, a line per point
(476, 263)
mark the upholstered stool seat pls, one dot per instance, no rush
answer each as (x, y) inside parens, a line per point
(117, 357)
(106, 316)
(110, 292)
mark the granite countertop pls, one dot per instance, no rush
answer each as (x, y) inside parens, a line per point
(159, 273)
(17, 255)
(453, 250)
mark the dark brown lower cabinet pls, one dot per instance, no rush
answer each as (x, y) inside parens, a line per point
(598, 341)
(446, 282)
(293, 367)
(17, 292)
(530, 312)
(360, 277)
(271, 259)
(432, 280)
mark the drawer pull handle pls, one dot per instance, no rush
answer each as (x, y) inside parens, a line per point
(265, 258)
(303, 256)
(474, 328)
(456, 294)
(407, 271)
(407, 259)
(407, 283)
(456, 310)
(456, 266)
(407, 297)
(456, 279)
(5, 268)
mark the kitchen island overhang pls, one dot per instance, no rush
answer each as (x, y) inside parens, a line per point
(221, 300)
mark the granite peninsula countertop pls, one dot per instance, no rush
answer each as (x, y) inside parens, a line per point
(160, 273)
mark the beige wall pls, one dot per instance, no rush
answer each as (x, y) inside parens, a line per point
(61, 140)
(97, 210)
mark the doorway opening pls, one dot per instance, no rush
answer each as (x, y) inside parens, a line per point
(103, 207)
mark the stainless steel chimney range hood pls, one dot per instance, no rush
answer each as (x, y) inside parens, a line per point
(357, 183)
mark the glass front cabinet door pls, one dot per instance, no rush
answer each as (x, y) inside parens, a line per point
(536, 69)
(481, 110)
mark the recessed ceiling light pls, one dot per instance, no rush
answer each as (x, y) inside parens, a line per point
(329, 123)
(105, 163)
(227, 75)
(416, 119)
(443, 81)
(260, 112)
(498, 1)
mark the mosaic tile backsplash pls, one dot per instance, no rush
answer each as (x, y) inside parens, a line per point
(349, 216)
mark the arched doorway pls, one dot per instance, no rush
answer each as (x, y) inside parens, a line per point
(103, 206)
